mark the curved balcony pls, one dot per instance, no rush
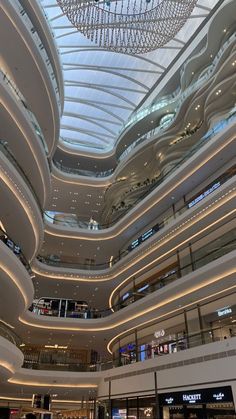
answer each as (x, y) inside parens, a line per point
(199, 338)
(11, 358)
(19, 202)
(81, 172)
(7, 332)
(71, 220)
(215, 206)
(15, 248)
(148, 186)
(40, 20)
(32, 64)
(135, 290)
(16, 283)
(158, 110)
(171, 102)
(21, 131)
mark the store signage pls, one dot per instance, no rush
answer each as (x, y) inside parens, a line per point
(143, 288)
(148, 412)
(206, 395)
(159, 333)
(143, 237)
(169, 400)
(224, 311)
(192, 398)
(204, 194)
(128, 348)
(125, 296)
(219, 396)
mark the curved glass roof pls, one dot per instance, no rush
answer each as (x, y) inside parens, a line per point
(103, 88)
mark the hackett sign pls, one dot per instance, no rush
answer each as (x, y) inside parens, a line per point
(192, 398)
(200, 396)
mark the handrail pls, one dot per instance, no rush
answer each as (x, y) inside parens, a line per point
(81, 172)
(161, 281)
(8, 153)
(18, 95)
(187, 341)
(135, 117)
(7, 333)
(5, 238)
(42, 51)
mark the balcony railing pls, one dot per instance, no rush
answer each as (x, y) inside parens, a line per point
(180, 343)
(80, 172)
(9, 155)
(22, 12)
(130, 294)
(15, 248)
(163, 222)
(7, 333)
(20, 98)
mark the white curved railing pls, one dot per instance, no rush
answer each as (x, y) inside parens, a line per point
(23, 14)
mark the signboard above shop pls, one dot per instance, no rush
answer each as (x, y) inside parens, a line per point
(202, 396)
(135, 243)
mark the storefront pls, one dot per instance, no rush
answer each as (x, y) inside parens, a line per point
(209, 403)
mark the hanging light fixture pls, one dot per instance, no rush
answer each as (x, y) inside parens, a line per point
(128, 26)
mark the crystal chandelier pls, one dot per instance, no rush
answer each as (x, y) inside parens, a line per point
(128, 26)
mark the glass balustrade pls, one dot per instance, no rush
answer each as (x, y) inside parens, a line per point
(193, 260)
(15, 248)
(7, 333)
(21, 12)
(178, 343)
(20, 98)
(9, 155)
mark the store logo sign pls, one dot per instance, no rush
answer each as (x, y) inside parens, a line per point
(169, 400)
(204, 194)
(224, 311)
(191, 398)
(218, 396)
(159, 333)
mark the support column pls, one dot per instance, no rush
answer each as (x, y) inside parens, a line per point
(178, 263)
(136, 345)
(158, 415)
(109, 401)
(191, 256)
(200, 323)
(186, 327)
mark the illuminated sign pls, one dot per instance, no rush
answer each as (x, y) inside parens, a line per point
(125, 296)
(206, 395)
(143, 288)
(159, 333)
(204, 194)
(192, 398)
(219, 396)
(169, 400)
(143, 237)
(224, 311)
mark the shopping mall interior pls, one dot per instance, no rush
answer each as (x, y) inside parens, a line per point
(117, 216)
